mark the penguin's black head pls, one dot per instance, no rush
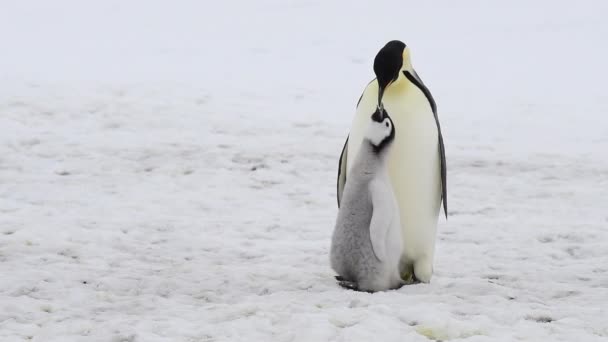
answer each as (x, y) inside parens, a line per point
(381, 130)
(387, 65)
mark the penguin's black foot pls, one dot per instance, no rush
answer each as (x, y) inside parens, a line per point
(340, 278)
(408, 275)
(349, 285)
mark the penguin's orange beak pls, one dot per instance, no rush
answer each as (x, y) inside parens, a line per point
(380, 95)
(381, 91)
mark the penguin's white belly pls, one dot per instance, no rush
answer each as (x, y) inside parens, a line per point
(414, 162)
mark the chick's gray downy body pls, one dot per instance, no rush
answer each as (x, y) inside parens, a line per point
(366, 243)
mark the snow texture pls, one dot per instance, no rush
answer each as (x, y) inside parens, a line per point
(167, 169)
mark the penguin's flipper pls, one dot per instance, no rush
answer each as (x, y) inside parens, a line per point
(382, 216)
(342, 172)
(444, 189)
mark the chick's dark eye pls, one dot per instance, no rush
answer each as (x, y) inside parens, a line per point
(386, 124)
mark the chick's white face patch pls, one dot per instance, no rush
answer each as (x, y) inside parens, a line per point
(378, 131)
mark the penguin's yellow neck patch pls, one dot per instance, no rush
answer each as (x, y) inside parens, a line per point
(398, 87)
(398, 84)
(407, 63)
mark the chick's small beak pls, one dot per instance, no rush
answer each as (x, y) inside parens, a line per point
(378, 115)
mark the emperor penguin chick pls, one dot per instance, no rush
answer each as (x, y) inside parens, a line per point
(367, 244)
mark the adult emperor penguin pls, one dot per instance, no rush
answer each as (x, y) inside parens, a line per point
(416, 162)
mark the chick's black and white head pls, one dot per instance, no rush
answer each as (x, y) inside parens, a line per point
(381, 131)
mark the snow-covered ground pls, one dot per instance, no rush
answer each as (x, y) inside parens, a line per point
(167, 169)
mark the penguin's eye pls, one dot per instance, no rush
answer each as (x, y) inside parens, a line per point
(387, 124)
